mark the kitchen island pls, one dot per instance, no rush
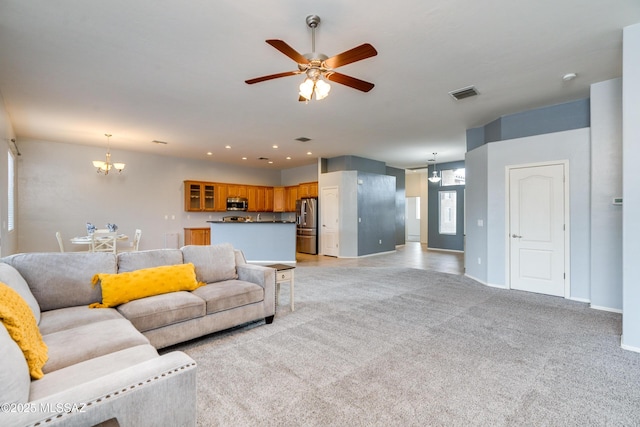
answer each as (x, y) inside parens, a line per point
(263, 242)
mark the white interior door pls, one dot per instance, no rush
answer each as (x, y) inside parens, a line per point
(537, 229)
(330, 230)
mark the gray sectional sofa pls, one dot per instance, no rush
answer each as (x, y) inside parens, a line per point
(103, 365)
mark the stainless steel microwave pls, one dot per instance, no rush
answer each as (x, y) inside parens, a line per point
(237, 204)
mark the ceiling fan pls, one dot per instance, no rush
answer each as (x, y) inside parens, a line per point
(317, 66)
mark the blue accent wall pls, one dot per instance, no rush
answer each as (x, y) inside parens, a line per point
(445, 241)
(554, 118)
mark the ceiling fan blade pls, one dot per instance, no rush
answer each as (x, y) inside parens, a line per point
(358, 53)
(350, 81)
(288, 50)
(271, 77)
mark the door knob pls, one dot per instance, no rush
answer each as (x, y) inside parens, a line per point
(515, 236)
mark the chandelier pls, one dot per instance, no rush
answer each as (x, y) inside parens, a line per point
(435, 177)
(105, 166)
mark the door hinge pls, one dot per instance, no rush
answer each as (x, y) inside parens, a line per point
(564, 276)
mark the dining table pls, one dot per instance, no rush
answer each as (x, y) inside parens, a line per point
(86, 240)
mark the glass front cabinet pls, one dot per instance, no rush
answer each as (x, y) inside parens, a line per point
(199, 196)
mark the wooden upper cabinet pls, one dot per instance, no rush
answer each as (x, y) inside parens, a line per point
(268, 199)
(279, 201)
(222, 192)
(308, 189)
(291, 195)
(252, 197)
(199, 196)
(236, 190)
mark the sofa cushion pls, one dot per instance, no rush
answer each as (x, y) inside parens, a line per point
(12, 278)
(87, 341)
(83, 372)
(14, 372)
(131, 261)
(60, 280)
(124, 287)
(229, 294)
(213, 263)
(162, 310)
(19, 321)
(70, 317)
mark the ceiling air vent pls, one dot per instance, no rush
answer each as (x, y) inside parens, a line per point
(303, 139)
(465, 92)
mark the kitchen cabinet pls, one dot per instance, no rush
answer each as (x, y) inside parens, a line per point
(291, 195)
(199, 196)
(279, 201)
(256, 195)
(197, 236)
(268, 199)
(236, 190)
(308, 189)
(222, 192)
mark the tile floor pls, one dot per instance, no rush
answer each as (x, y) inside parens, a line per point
(412, 254)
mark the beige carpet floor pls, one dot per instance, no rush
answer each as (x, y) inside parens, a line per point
(408, 347)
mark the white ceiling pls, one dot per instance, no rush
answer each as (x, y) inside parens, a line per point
(174, 71)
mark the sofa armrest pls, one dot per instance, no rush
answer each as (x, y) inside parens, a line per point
(160, 391)
(263, 276)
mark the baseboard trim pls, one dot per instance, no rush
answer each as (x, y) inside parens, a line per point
(482, 282)
(629, 347)
(601, 308)
(585, 300)
(445, 250)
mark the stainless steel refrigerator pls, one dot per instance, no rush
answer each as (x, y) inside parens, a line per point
(307, 225)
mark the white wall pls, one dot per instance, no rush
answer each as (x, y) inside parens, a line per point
(8, 240)
(295, 176)
(477, 194)
(570, 145)
(631, 192)
(58, 189)
(606, 183)
(346, 181)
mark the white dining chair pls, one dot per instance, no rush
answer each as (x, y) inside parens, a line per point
(59, 237)
(103, 241)
(135, 244)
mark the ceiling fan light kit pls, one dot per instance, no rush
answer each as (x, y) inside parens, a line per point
(319, 68)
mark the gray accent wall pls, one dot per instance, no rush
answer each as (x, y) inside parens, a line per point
(401, 201)
(445, 241)
(550, 119)
(376, 213)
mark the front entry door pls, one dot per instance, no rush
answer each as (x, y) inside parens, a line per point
(537, 229)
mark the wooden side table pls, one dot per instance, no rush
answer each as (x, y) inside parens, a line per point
(284, 273)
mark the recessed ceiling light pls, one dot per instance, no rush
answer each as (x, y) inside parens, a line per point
(209, 153)
(275, 146)
(244, 158)
(270, 162)
(227, 147)
(288, 157)
(569, 77)
(309, 153)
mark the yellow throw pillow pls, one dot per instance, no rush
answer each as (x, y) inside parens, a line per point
(18, 318)
(124, 287)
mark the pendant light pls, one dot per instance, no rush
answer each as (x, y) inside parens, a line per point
(435, 178)
(106, 165)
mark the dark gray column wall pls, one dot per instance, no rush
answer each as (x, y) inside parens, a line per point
(401, 201)
(370, 194)
(376, 213)
(445, 241)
